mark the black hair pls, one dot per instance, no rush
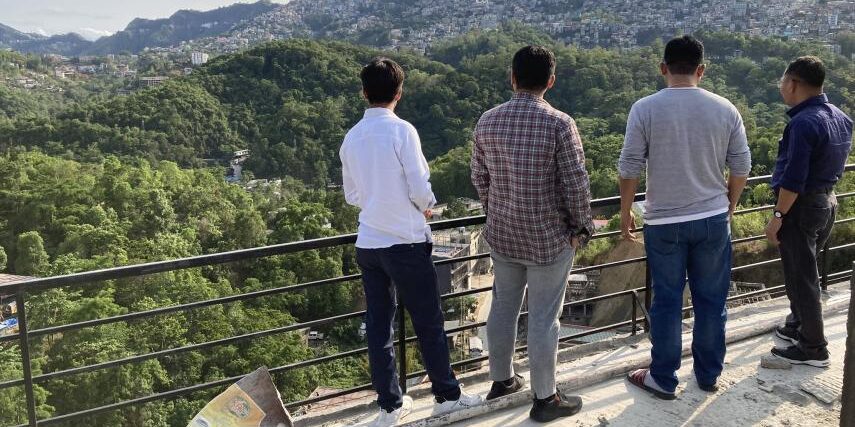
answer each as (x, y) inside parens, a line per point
(808, 69)
(533, 66)
(382, 78)
(683, 55)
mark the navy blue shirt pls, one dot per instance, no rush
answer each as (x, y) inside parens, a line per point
(816, 143)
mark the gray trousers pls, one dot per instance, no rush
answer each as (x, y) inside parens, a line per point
(547, 284)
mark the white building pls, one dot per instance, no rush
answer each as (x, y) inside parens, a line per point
(198, 58)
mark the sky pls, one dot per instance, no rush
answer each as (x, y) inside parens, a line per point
(93, 18)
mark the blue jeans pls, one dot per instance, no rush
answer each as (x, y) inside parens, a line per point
(702, 250)
(408, 271)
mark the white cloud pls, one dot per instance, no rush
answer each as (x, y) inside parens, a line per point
(93, 34)
(41, 32)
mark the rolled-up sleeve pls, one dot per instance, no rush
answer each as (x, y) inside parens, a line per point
(416, 170)
(633, 155)
(738, 153)
(575, 194)
(799, 145)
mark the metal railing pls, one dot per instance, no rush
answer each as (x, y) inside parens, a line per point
(25, 334)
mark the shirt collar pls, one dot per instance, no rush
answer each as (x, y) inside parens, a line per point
(378, 112)
(525, 96)
(815, 100)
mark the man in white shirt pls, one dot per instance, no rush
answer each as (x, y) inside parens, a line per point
(386, 176)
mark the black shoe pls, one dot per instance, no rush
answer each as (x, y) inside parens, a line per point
(796, 356)
(787, 333)
(500, 388)
(559, 405)
(713, 388)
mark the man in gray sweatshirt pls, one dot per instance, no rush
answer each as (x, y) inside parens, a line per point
(686, 137)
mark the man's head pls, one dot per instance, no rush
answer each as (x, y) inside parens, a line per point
(533, 69)
(683, 59)
(803, 79)
(382, 82)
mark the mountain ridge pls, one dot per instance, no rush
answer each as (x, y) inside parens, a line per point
(140, 33)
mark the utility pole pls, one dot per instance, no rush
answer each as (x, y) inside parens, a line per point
(847, 414)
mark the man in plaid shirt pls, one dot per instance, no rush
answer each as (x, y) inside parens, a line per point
(529, 169)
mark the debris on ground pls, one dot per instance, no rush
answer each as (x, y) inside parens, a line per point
(772, 362)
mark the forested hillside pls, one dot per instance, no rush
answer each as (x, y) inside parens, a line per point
(92, 182)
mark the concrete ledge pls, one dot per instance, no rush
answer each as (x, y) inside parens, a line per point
(744, 324)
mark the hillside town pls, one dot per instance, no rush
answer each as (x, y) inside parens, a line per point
(588, 23)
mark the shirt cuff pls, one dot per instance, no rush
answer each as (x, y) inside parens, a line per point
(794, 186)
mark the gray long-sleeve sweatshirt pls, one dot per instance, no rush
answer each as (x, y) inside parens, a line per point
(685, 137)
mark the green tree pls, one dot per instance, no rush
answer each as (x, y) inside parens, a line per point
(455, 209)
(31, 259)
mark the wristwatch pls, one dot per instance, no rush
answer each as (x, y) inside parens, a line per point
(778, 214)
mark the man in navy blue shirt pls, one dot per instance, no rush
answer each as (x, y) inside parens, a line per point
(811, 159)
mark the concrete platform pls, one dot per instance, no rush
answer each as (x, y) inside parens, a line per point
(749, 395)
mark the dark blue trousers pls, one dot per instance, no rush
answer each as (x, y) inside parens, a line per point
(408, 271)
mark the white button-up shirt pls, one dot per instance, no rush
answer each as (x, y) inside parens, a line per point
(386, 176)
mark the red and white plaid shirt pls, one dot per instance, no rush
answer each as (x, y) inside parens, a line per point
(528, 166)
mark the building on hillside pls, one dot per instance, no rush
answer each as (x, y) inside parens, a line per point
(740, 288)
(152, 81)
(8, 306)
(235, 171)
(65, 72)
(456, 243)
(198, 58)
(580, 287)
(87, 69)
(568, 330)
(473, 207)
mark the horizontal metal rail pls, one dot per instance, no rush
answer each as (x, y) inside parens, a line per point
(272, 250)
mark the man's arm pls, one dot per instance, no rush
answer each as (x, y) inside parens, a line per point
(735, 186)
(573, 177)
(794, 176)
(633, 160)
(479, 173)
(800, 142)
(628, 187)
(786, 199)
(416, 171)
(738, 161)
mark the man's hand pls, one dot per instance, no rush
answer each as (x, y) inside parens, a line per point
(428, 214)
(575, 243)
(772, 230)
(627, 223)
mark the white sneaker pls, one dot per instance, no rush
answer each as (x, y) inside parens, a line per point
(464, 402)
(390, 419)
